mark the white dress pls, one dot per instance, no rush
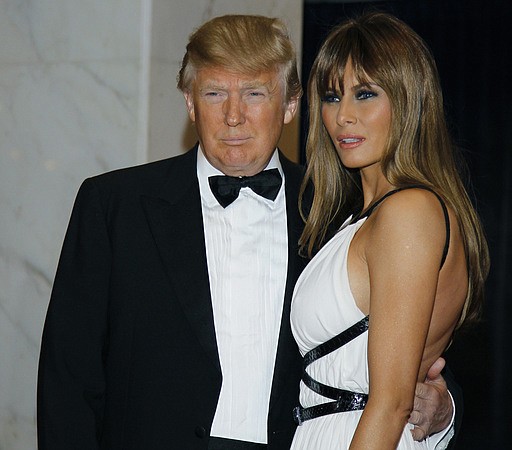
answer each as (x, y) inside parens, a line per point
(322, 307)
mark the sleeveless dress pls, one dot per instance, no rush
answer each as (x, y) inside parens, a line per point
(322, 307)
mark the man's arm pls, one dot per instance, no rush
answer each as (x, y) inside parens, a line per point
(71, 381)
(433, 405)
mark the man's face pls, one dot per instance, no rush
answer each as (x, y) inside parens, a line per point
(239, 118)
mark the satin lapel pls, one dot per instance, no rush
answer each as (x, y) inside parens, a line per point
(176, 221)
(288, 357)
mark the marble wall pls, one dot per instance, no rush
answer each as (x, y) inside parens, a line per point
(85, 87)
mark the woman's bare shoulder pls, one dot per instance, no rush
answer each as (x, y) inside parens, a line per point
(411, 217)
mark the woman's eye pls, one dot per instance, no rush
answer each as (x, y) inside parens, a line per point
(365, 94)
(330, 98)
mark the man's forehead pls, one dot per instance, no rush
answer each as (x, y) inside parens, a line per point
(220, 77)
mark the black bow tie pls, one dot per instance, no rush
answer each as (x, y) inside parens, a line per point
(226, 188)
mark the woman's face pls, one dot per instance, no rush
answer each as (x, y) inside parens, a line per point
(358, 121)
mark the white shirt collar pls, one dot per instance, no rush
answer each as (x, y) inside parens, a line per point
(205, 170)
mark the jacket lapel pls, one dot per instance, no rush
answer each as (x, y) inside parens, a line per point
(288, 360)
(176, 221)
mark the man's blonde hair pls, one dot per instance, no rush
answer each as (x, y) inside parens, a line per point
(242, 44)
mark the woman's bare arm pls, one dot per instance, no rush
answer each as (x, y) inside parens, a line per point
(402, 247)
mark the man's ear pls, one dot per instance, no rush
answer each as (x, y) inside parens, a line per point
(189, 101)
(291, 109)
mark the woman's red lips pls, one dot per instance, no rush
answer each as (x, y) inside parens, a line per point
(349, 141)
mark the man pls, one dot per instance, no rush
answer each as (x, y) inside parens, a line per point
(168, 325)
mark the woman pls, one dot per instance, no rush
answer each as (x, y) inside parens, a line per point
(406, 271)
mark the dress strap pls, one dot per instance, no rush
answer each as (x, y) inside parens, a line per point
(343, 400)
(336, 342)
(372, 207)
(332, 344)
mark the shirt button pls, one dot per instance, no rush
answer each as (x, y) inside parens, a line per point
(200, 432)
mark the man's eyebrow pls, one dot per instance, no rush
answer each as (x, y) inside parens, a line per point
(254, 84)
(246, 85)
(212, 85)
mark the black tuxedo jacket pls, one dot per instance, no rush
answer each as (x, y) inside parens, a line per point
(129, 357)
